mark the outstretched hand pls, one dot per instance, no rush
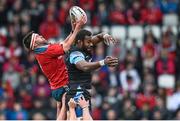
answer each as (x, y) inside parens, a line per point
(109, 40)
(111, 61)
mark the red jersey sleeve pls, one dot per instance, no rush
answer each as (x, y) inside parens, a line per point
(55, 50)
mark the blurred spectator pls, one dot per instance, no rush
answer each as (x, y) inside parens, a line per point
(160, 110)
(157, 115)
(25, 80)
(39, 105)
(96, 99)
(41, 89)
(105, 107)
(11, 76)
(129, 78)
(97, 83)
(38, 116)
(88, 6)
(128, 110)
(135, 56)
(168, 43)
(101, 17)
(147, 98)
(63, 12)
(51, 112)
(117, 13)
(131, 58)
(118, 50)
(25, 98)
(111, 115)
(99, 52)
(18, 113)
(31, 66)
(113, 80)
(3, 13)
(36, 14)
(164, 64)
(113, 97)
(149, 52)
(49, 28)
(149, 78)
(144, 113)
(135, 13)
(152, 14)
(14, 50)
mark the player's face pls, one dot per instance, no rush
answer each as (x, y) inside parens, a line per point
(88, 45)
(40, 40)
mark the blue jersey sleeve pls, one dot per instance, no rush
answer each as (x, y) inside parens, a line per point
(76, 56)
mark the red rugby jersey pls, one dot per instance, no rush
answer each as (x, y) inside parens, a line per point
(53, 66)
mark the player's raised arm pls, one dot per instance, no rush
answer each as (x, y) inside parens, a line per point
(103, 37)
(71, 38)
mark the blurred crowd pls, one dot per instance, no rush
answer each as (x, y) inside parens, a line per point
(145, 85)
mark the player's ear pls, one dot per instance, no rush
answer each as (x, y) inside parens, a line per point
(79, 42)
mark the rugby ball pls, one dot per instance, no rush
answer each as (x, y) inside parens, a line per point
(76, 13)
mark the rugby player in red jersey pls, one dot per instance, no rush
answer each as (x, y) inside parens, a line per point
(50, 59)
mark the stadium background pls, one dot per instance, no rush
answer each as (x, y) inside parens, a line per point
(145, 85)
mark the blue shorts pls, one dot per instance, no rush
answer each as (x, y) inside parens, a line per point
(58, 93)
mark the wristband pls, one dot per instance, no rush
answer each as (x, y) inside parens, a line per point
(101, 63)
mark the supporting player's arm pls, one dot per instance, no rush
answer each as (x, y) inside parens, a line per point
(71, 38)
(85, 107)
(106, 38)
(72, 113)
(62, 112)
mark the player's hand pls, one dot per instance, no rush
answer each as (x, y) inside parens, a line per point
(83, 103)
(109, 40)
(72, 103)
(111, 61)
(79, 23)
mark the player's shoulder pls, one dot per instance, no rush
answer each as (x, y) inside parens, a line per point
(76, 53)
